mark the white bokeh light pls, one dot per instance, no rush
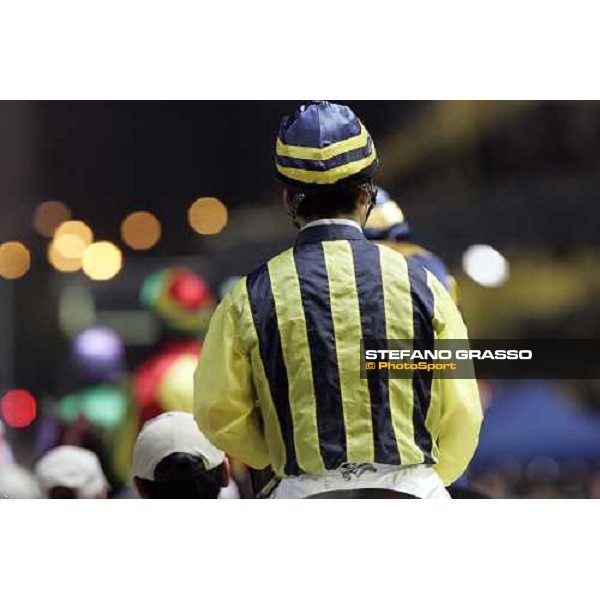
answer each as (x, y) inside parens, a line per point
(485, 265)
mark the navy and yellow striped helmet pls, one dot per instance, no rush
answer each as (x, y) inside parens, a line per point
(322, 146)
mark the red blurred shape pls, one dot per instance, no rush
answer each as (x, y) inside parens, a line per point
(189, 291)
(148, 377)
(18, 408)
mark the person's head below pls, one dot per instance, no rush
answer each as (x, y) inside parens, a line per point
(173, 459)
(70, 472)
(326, 160)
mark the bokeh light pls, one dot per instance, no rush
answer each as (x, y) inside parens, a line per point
(70, 246)
(75, 228)
(98, 343)
(15, 260)
(102, 261)
(207, 216)
(176, 387)
(188, 291)
(76, 308)
(485, 265)
(71, 239)
(140, 230)
(61, 263)
(49, 215)
(98, 352)
(104, 406)
(18, 408)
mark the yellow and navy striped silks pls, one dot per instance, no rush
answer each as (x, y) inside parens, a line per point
(279, 380)
(323, 144)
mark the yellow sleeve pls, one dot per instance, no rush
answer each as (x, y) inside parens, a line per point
(460, 407)
(224, 399)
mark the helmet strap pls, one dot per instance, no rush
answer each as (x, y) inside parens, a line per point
(371, 190)
(293, 201)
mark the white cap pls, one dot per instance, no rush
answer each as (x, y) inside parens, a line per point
(16, 482)
(72, 467)
(6, 457)
(169, 433)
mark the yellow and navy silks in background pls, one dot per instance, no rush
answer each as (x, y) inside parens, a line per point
(388, 226)
(278, 381)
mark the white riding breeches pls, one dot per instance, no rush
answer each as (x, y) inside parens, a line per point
(418, 480)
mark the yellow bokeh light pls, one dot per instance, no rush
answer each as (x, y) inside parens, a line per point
(207, 215)
(70, 246)
(76, 228)
(141, 230)
(49, 215)
(15, 260)
(60, 262)
(102, 261)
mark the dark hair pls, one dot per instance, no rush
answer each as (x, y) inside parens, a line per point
(328, 205)
(60, 492)
(181, 475)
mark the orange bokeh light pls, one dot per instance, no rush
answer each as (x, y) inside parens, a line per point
(141, 230)
(60, 262)
(15, 260)
(207, 216)
(49, 215)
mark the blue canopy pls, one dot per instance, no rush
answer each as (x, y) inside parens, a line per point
(529, 419)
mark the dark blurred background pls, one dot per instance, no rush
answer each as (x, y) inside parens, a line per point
(519, 177)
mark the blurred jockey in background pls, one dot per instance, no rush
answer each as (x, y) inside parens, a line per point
(184, 303)
(69, 472)
(173, 459)
(18, 483)
(387, 226)
(279, 379)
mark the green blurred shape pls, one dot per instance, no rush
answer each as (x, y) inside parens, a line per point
(151, 288)
(103, 405)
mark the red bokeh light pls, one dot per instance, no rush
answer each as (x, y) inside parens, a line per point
(18, 408)
(189, 291)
